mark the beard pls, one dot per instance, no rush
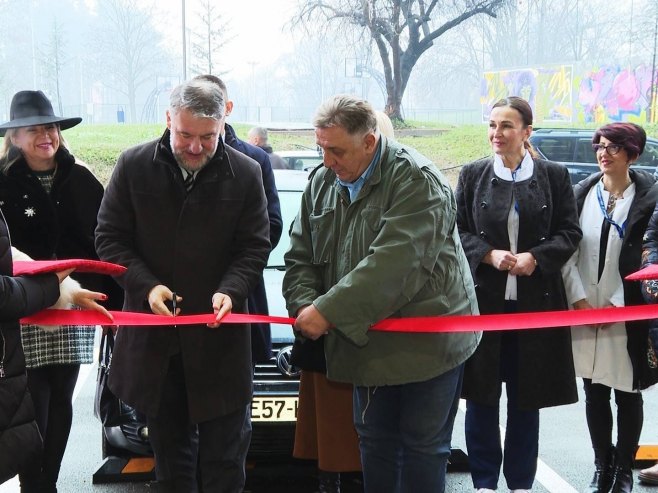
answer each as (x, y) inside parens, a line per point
(191, 165)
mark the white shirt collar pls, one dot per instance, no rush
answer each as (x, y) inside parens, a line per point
(523, 172)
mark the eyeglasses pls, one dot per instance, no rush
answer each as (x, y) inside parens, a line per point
(611, 149)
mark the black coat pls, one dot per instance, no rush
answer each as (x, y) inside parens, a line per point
(261, 337)
(549, 230)
(213, 239)
(59, 225)
(630, 260)
(20, 441)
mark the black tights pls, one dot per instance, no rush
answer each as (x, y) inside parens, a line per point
(51, 388)
(630, 416)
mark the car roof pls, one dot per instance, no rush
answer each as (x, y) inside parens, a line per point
(577, 132)
(299, 153)
(564, 131)
(290, 180)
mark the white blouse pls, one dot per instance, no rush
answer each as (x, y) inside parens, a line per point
(600, 353)
(523, 172)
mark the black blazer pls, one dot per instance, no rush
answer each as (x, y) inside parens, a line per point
(549, 230)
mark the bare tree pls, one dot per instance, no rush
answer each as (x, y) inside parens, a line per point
(540, 32)
(402, 30)
(211, 38)
(129, 46)
(53, 60)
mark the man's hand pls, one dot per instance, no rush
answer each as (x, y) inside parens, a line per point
(157, 297)
(87, 299)
(221, 306)
(311, 323)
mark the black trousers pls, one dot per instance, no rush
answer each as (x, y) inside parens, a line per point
(51, 388)
(630, 416)
(218, 447)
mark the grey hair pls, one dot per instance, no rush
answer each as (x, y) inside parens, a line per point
(355, 115)
(200, 97)
(259, 132)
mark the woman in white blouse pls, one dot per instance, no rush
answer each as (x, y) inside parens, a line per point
(518, 225)
(614, 206)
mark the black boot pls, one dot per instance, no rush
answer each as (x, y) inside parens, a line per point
(623, 480)
(329, 482)
(604, 471)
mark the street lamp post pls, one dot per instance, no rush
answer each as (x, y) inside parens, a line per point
(652, 98)
(184, 37)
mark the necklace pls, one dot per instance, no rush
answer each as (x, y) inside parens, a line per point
(612, 201)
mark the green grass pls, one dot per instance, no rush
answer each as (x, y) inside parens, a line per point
(448, 146)
(100, 145)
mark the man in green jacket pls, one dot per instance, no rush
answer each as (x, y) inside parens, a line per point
(375, 238)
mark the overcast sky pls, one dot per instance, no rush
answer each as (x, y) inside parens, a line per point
(258, 27)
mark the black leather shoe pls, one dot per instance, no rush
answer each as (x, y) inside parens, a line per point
(623, 482)
(602, 480)
(328, 482)
(604, 473)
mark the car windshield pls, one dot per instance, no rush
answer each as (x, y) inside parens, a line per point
(290, 201)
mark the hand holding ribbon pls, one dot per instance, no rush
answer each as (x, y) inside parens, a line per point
(222, 306)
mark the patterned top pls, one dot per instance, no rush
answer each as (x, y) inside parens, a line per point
(46, 178)
(69, 344)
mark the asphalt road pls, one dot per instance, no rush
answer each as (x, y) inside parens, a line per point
(565, 454)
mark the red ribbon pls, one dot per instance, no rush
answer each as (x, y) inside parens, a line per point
(650, 272)
(448, 323)
(31, 267)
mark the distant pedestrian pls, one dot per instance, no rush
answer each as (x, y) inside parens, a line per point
(258, 136)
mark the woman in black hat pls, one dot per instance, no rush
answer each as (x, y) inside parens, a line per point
(50, 203)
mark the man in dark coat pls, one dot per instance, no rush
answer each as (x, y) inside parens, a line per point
(187, 216)
(261, 336)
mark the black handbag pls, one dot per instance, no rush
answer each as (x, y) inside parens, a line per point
(307, 354)
(108, 408)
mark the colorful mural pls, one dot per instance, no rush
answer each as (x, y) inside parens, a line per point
(613, 93)
(548, 90)
(599, 95)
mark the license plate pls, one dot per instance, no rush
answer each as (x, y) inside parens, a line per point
(274, 409)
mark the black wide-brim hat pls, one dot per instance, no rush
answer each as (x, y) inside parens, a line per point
(30, 108)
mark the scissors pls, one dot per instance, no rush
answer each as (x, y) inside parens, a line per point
(173, 303)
